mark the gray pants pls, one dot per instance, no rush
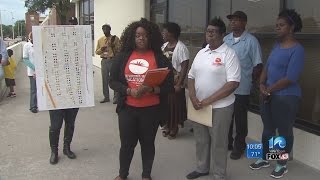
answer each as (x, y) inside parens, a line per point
(33, 93)
(105, 72)
(212, 143)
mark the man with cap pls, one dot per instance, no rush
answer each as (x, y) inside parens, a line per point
(248, 51)
(108, 46)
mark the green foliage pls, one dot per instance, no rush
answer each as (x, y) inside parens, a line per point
(62, 7)
(39, 5)
(7, 29)
(20, 28)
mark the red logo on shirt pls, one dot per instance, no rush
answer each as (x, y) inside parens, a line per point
(217, 61)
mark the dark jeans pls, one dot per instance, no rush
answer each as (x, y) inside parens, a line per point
(138, 124)
(33, 93)
(57, 117)
(240, 116)
(105, 72)
(279, 114)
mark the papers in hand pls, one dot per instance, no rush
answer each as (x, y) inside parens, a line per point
(155, 77)
(202, 116)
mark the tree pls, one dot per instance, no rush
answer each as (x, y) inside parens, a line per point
(7, 30)
(20, 28)
(62, 7)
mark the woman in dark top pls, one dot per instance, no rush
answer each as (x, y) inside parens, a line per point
(280, 91)
(178, 55)
(139, 107)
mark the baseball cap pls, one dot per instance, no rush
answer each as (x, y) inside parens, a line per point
(238, 14)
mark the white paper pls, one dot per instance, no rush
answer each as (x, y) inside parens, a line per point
(63, 63)
(202, 116)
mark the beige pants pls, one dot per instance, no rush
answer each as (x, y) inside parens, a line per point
(212, 143)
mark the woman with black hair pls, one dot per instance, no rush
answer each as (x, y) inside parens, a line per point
(178, 55)
(139, 107)
(280, 90)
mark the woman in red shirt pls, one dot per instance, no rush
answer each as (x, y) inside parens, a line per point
(139, 107)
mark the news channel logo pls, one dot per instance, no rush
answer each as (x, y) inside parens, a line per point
(278, 142)
(277, 149)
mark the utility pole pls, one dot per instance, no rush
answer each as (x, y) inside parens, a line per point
(12, 25)
(21, 24)
(1, 26)
(18, 28)
(21, 28)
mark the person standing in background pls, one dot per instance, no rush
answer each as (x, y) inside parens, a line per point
(279, 88)
(3, 56)
(249, 53)
(108, 46)
(178, 55)
(9, 74)
(28, 59)
(212, 79)
(57, 117)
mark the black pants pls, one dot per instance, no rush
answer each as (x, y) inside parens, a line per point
(33, 93)
(57, 117)
(138, 124)
(241, 121)
(279, 114)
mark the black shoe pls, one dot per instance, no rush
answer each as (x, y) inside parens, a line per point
(195, 175)
(54, 158)
(230, 147)
(105, 100)
(69, 153)
(260, 163)
(235, 155)
(34, 110)
(68, 134)
(54, 141)
(279, 171)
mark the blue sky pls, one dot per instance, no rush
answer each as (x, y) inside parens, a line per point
(16, 6)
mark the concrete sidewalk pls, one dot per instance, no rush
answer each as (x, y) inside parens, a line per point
(24, 146)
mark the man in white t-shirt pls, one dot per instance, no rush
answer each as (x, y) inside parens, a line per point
(28, 59)
(213, 77)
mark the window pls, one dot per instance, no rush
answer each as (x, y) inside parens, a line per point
(159, 11)
(262, 14)
(86, 9)
(220, 8)
(191, 15)
(309, 37)
(310, 14)
(86, 16)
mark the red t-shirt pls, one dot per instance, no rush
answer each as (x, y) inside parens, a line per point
(136, 68)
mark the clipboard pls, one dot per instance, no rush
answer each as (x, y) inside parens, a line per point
(202, 116)
(155, 77)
